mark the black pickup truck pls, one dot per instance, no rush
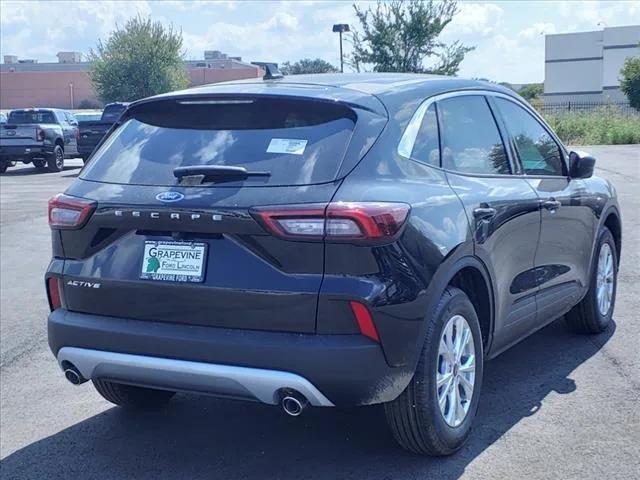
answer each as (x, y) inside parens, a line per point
(42, 136)
(91, 132)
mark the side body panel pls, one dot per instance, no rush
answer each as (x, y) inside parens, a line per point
(563, 259)
(506, 243)
(395, 280)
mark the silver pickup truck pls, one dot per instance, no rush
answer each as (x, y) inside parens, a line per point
(42, 136)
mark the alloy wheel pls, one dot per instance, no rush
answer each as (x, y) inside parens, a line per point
(456, 370)
(605, 279)
(59, 159)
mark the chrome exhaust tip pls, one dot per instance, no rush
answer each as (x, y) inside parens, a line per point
(294, 403)
(72, 374)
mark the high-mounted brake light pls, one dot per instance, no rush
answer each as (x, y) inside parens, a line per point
(53, 289)
(354, 222)
(66, 212)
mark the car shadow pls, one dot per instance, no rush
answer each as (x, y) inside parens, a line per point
(198, 437)
(26, 171)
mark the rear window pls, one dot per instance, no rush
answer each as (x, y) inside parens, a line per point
(298, 142)
(31, 116)
(112, 113)
(88, 117)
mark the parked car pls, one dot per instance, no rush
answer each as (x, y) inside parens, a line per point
(83, 117)
(91, 132)
(332, 240)
(42, 136)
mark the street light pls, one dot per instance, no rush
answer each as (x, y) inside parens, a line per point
(341, 27)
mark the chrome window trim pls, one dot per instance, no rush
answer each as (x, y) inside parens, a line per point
(407, 141)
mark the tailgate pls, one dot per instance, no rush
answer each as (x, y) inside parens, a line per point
(91, 133)
(17, 135)
(189, 250)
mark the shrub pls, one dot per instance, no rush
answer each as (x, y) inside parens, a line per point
(630, 81)
(605, 126)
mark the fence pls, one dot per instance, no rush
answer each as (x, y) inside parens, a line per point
(623, 108)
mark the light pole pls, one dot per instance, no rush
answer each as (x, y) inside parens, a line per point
(341, 27)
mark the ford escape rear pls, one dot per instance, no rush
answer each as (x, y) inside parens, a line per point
(330, 240)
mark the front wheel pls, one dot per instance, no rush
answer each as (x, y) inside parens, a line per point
(435, 412)
(593, 314)
(56, 160)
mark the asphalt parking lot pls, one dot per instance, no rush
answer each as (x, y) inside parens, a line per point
(557, 405)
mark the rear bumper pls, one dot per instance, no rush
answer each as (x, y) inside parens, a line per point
(344, 370)
(26, 152)
(238, 382)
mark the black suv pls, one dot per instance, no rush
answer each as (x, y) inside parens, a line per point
(327, 240)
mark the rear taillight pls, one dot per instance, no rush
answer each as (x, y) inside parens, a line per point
(357, 222)
(40, 134)
(53, 290)
(66, 212)
(77, 134)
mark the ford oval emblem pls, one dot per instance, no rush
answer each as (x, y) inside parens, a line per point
(169, 196)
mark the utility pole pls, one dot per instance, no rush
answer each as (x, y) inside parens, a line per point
(340, 28)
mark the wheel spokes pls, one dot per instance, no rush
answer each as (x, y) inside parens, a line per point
(455, 371)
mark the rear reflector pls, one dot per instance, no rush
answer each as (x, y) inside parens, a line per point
(365, 322)
(66, 212)
(53, 289)
(357, 222)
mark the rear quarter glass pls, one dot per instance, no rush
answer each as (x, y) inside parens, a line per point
(298, 142)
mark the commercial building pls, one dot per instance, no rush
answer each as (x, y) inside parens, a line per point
(66, 84)
(585, 66)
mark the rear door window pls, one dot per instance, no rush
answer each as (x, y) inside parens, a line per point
(539, 154)
(420, 141)
(298, 142)
(471, 141)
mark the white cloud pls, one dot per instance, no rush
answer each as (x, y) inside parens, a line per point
(587, 15)
(476, 18)
(53, 27)
(537, 29)
(282, 20)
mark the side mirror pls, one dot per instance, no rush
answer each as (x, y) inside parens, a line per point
(581, 165)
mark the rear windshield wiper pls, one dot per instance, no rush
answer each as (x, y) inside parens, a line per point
(197, 174)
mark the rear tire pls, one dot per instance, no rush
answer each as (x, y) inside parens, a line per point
(589, 316)
(55, 163)
(132, 397)
(416, 419)
(40, 164)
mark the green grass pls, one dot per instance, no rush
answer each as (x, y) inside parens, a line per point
(606, 126)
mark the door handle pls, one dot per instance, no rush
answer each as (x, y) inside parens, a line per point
(551, 204)
(484, 213)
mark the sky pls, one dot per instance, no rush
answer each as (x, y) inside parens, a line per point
(508, 35)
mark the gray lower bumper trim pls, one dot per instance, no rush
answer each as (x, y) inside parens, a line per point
(240, 382)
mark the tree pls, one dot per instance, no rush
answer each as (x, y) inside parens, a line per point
(141, 59)
(399, 36)
(307, 65)
(630, 81)
(531, 91)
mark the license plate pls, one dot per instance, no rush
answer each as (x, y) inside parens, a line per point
(174, 261)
